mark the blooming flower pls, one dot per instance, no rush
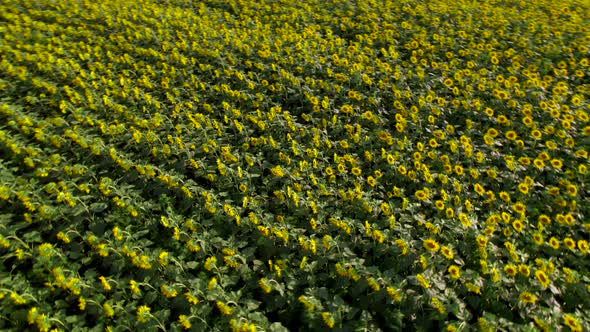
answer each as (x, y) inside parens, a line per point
(542, 278)
(454, 272)
(447, 252)
(527, 297)
(431, 245)
(510, 270)
(422, 280)
(571, 321)
(143, 314)
(184, 322)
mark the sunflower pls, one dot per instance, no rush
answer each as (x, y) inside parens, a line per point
(328, 320)
(527, 297)
(554, 243)
(582, 153)
(542, 278)
(554, 191)
(572, 190)
(329, 171)
(473, 288)
(505, 196)
(502, 119)
(479, 189)
(447, 252)
(523, 188)
(517, 225)
(524, 161)
(583, 246)
(450, 213)
(448, 82)
(527, 121)
(421, 195)
(519, 207)
(569, 243)
(544, 219)
(464, 220)
(544, 155)
(524, 270)
(402, 170)
(390, 159)
(510, 270)
(431, 245)
(556, 163)
(482, 241)
(454, 271)
(422, 280)
(184, 322)
(491, 173)
(572, 322)
(539, 163)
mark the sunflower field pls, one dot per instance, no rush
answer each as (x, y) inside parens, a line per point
(282, 165)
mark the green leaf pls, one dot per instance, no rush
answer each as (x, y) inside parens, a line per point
(191, 264)
(97, 207)
(277, 327)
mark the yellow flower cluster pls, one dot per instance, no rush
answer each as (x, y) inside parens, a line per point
(378, 150)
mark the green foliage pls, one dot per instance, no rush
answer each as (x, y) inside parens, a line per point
(273, 166)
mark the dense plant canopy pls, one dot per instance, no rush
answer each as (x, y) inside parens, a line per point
(294, 165)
